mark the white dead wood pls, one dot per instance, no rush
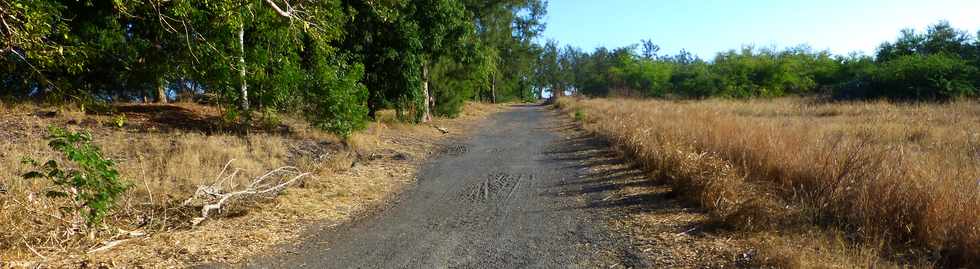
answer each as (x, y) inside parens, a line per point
(109, 245)
(441, 129)
(214, 197)
(288, 12)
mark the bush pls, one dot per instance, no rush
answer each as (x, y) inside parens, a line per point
(336, 100)
(93, 181)
(695, 81)
(924, 77)
(579, 115)
(452, 83)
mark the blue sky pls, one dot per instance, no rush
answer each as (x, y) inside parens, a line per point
(705, 27)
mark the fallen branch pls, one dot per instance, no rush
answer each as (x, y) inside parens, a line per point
(109, 245)
(441, 129)
(29, 247)
(214, 198)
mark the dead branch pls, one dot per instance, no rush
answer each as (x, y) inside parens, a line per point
(441, 129)
(285, 13)
(109, 245)
(215, 198)
(29, 247)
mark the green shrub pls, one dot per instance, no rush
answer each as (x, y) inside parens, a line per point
(579, 115)
(695, 81)
(924, 77)
(337, 102)
(270, 119)
(91, 178)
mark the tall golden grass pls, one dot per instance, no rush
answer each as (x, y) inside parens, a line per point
(904, 176)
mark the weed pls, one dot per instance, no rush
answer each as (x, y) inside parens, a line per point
(119, 120)
(579, 115)
(270, 119)
(94, 181)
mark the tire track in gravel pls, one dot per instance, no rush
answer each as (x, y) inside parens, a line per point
(499, 199)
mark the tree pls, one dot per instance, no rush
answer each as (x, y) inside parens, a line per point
(443, 26)
(508, 29)
(549, 69)
(25, 47)
(650, 49)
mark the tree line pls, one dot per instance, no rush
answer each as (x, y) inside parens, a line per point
(940, 64)
(336, 62)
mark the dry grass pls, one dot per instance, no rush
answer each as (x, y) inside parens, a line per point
(902, 177)
(166, 161)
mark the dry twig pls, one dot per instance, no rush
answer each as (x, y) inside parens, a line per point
(214, 198)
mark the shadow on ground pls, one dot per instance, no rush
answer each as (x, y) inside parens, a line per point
(168, 117)
(614, 184)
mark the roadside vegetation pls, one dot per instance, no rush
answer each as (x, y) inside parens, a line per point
(881, 149)
(129, 122)
(139, 123)
(899, 176)
(164, 165)
(941, 64)
(334, 63)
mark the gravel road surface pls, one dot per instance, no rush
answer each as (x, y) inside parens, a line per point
(505, 197)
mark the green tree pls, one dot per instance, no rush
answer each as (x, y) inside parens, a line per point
(443, 27)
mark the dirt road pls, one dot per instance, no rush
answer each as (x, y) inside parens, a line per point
(509, 196)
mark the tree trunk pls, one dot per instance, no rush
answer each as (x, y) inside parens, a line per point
(426, 110)
(162, 92)
(241, 67)
(493, 89)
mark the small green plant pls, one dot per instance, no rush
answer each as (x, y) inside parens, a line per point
(92, 179)
(579, 114)
(230, 117)
(270, 119)
(120, 120)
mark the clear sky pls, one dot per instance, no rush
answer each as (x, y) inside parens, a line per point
(705, 27)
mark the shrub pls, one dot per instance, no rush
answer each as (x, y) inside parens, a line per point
(695, 81)
(93, 179)
(924, 77)
(854, 78)
(579, 115)
(337, 101)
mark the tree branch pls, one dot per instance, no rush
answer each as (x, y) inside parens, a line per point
(285, 13)
(215, 198)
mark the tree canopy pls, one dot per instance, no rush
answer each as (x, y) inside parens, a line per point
(940, 64)
(335, 62)
(338, 62)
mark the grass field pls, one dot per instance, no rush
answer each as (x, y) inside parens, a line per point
(167, 151)
(902, 178)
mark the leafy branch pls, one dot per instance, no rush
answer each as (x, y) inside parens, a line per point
(92, 180)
